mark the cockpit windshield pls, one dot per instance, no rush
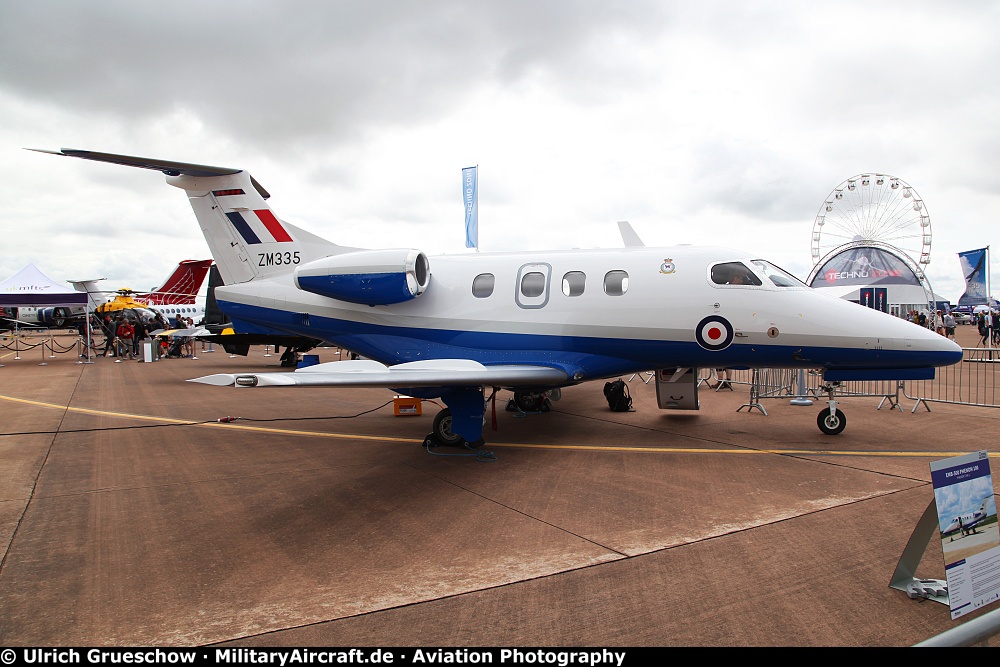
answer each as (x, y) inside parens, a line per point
(779, 277)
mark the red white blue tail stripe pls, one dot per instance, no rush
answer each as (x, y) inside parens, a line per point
(258, 227)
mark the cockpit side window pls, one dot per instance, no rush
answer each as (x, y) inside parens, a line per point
(734, 273)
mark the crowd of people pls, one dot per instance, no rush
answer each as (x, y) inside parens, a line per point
(124, 332)
(943, 322)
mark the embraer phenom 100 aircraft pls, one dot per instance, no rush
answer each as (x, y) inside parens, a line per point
(452, 325)
(966, 523)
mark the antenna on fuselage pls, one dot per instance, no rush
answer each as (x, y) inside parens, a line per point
(629, 237)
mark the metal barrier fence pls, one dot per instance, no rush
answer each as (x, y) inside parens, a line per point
(801, 385)
(790, 384)
(976, 632)
(972, 382)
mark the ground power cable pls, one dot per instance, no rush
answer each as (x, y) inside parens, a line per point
(220, 420)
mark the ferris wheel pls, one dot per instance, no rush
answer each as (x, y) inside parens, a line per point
(875, 208)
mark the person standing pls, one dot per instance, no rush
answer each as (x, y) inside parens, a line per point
(949, 325)
(109, 329)
(126, 333)
(141, 334)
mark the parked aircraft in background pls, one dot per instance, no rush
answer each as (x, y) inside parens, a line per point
(126, 299)
(177, 294)
(966, 523)
(453, 326)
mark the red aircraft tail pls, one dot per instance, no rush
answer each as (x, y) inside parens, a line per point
(183, 284)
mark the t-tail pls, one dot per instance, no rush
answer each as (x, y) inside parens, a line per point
(182, 287)
(247, 240)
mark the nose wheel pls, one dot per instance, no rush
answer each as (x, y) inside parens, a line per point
(831, 424)
(831, 420)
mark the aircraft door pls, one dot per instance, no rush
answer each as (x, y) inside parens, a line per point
(532, 289)
(677, 389)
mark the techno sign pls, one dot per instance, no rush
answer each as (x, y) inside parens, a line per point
(864, 266)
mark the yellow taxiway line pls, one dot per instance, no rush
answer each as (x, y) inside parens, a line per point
(575, 447)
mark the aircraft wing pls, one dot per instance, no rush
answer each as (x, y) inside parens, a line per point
(368, 373)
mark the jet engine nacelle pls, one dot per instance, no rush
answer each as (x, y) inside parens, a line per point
(371, 277)
(51, 317)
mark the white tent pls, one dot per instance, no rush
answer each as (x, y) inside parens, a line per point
(31, 287)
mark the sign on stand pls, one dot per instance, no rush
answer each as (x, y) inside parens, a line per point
(970, 537)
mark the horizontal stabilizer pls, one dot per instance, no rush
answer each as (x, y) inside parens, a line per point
(168, 167)
(368, 373)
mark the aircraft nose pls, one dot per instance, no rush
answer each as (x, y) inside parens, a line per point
(938, 350)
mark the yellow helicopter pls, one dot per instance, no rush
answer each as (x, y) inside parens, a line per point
(125, 300)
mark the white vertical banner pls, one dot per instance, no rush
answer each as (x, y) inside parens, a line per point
(470, 196)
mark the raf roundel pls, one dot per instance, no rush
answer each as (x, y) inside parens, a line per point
(714, 333)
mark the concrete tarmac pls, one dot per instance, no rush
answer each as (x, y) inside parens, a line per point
(130, 516)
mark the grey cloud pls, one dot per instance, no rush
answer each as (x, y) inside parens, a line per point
(293, 72)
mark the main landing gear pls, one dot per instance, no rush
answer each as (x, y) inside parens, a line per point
(442, 433)
(831, 420)
(460, 424)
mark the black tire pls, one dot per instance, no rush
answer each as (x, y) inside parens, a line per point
(529, 401)
(831, 424)
(442, 429)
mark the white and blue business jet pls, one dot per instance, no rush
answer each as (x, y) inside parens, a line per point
(451, 326)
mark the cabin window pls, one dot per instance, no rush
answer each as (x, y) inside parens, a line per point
(532, 284)
(734, 273)
(573, 283)
(482, 285)
(615, 283)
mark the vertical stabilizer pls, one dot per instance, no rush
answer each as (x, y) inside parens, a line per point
(94, 295)
(247, 240)
(182, 286)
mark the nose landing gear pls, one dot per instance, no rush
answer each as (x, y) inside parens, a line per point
(831, 420)
(831, 423)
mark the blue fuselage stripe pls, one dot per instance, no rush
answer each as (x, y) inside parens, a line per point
(593, 357)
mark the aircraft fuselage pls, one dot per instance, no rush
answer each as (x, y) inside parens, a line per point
(598, 313)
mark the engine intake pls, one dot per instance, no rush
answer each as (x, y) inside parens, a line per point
(370, 277)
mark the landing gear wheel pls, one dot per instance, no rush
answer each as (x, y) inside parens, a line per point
(831, 424)
(529, 401)
(442, 429)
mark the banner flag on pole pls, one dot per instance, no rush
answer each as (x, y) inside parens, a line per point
(974, 264)
(470, 195)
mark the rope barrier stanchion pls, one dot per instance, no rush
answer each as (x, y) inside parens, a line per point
(44, 363)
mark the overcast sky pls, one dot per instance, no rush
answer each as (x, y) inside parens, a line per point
(724, 123)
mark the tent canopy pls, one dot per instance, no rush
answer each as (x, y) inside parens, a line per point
(31, 287)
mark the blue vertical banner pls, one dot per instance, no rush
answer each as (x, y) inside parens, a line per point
(470, 196)
(974, 269)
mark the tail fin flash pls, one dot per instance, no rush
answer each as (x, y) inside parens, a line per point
(246, 239)
(183, 284)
